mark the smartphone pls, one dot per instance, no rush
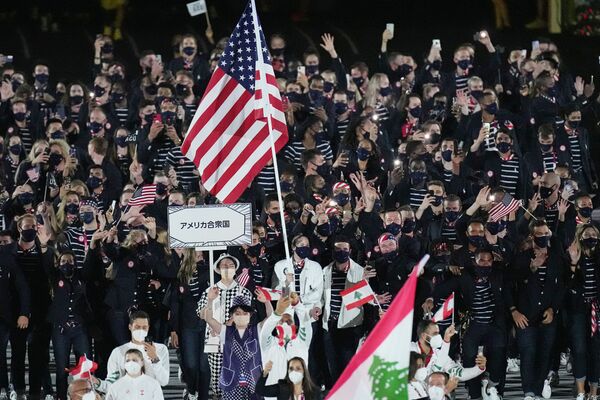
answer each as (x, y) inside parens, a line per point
(480, 350)
(523, 54)
(397, 162)
(7, 59)
(72, 151)
(487, 126)
(301, 69)
(112, 206)
(592, 80)
(390, 27)
(535, 44)
(148, 339)
(348, 80)
(159, 58)
(436, 43)
(157, 117)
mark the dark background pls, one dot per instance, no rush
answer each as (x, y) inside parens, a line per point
(356, 25)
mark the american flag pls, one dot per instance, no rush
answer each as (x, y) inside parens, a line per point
(143, 195)
(229, 138)
(243, 278)
(506, 205)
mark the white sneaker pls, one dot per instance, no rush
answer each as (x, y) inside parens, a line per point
(12, 395)
(493, 394)
(547, 390)
(49, 397)
(569, 366)
(580, 396)
(512, 365)
(192, 396)
(3, 395)
(528, 398)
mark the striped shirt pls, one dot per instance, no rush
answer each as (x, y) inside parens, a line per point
(257, 274)
(194, 286)
(448, 232)
(551, 213)
(590, 285)
(122, 114)
(383, 114)
(509, 174)
(79, 242)
(338, 284)
(163, 151)
(183, 167)
(447, 174)
(26, 138)
(416, 197)
(75, 116)
(190, 110)
(266, 179)
(489, 143)
(549, 160)
(483, 303)
(461, 82)
(575, 150)
(293, 153)
(541, 274)
(341, 127)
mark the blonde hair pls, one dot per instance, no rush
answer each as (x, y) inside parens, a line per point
(36, 145)
(61, 214)
(579, 231)
(130, 240)
(64, 151)
(188, 266)
(372, 92)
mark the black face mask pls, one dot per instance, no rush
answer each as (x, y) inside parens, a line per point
(323, 170)
(26, 198)
(585, 212)
(161, 189)
(483, 272)
(546, 192)
(541, 241)
(68, 270)
(28, 235)
(341, 256)
(589, 243)
(477, 241)
(408, 225)
(452, 216)
(74, 100)
(254, 251)
(393, 228)
(72, 209)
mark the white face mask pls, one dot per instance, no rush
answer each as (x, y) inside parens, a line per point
(436, 342)
(89, 396)
(241, 320)
(228, 274)
(139, 335)
(133, 368)
(436, 393)
(421, 374)
(295, 376)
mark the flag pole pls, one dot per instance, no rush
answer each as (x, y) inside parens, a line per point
(527, 211)
(262, 81)
(453, 307)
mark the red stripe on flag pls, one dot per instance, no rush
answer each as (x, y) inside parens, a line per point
(360, 302)
(359, 285)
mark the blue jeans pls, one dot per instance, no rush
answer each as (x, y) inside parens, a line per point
(340, 347)
(493, 338)
(62, 341)
(535, 346)
(4, 335)
(194, 361)
(584, 348)
(119, 326)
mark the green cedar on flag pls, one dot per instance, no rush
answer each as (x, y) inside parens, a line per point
(379, 370)
(357, 295)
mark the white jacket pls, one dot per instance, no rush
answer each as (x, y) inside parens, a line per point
(441, 362)
(311, 281)
(347, 318)
(141, 387)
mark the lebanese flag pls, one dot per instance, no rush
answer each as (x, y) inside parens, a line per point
(379, 370)
(445, 310)
(84, 369)
(270, 294)
(357, 295)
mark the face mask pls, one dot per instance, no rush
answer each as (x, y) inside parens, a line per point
(149, 118)
(42, 78)
(293, 97)
(91, 395)
(552, 92)
(76, 100)
(15, 85)
(385, 91)
(316, 96)
(241, 320)
(503, 147)
(276, 218)
(121, 141)
(546, 147)
(20, 116)
(541, 241)
(295, 377)
(342, 199)
(464, 64)
(324, 229)
(67, 269)
(94, 182)
(437, 201)
(477, 94)
(133, 368)
(26, 198)
(590, 242)
(585, 212)
(151, 90)
(72, 209)
(436, 342)
(39, 219)
(28, 235)
(168, 117)
(421, 374)
(483, 272)
(15, 149)
(546, 192)
(95, 127)
(312, 69)
(277, 52)
(99, 91)
(327, 87)
(341, 256)
(161, 189)
(60, 134)
(340, 108)
(574, 124)
(286, 186)
(436, 393)
(477, 241)
(107, 48)
(494, 227)
(436, 65)
(117, 97)
(182, 90)
(139, 335)
(415, 112)
(363, 154)
(55, 159)
(87, 217)
(417, 177)
(254, 251)
(491, 108)
(452, 216)
(188, 50)
(323, 170)
(391, 256)
(303, 251)
(358, 81)
(447, 155)
(408, 225)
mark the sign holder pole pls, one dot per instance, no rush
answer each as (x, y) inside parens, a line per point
(211, 261)
(267, 107)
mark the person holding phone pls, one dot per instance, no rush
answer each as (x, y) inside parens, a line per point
(155, 356)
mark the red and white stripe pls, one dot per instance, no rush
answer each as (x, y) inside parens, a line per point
(228, 138)
(270, 294)
(445, 311)
(146, 196)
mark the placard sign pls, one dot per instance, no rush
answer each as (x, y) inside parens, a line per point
(196, 7)
(210, 226)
